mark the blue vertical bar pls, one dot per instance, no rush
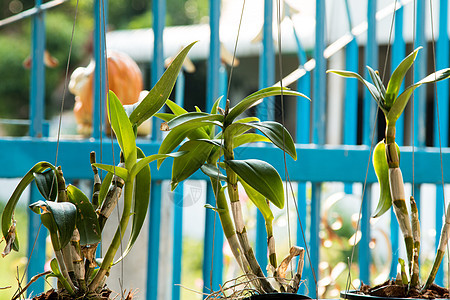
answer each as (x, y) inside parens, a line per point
(266, 110)
(372, 61)
(157, 67)
(364, 250)
(442, 61)
(302, 137)
(395, 247)
(153, 240)
(351, 95)
(303, 106)
(212, 251)
(98, 110)
(178, 210)
(36, 255)
(213, 77)
(419, 73)
(319, 84)
(37, 88)
(177, 241)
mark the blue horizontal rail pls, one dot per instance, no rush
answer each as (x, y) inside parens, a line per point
(314, 163)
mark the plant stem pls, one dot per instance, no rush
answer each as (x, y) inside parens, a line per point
(241, 231)
(97, 182)
(416, 238)
(112, 197)
(115, 243)
(445, 232)
(77, 259)
(398, 192)
(229, 230)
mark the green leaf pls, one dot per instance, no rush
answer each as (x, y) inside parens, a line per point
(213, 172)
(161, 91)
(402, 100)
(115, 170)
(215, 106)
(175, 108)
(87, 222)
(377, 81)
(193, 116)
(54, 266)
(259, 201)
(277, 134)
(61, 214)
(122, 128)
(382, 171)
(395, 82)
(186, 165)
(143, 162)
(178, 134)
(248, 138)
(140, 203)
(255, 99)
(104, 188)
(8, 212)
(165, 116)
(261, 176)
(46, 184)
(372, 89)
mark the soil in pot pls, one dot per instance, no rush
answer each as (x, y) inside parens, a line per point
(281, 296)
(393, 291)
(53, 295)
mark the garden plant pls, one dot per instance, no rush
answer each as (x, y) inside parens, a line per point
(75, 222)
(386, 162)
(211, 140)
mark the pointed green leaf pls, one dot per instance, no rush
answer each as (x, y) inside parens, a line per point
(382, 171)
(175, 108)
(87, 222)
(166, 117)
(255, 99)
(106, 182)
(184, 166)
(402, 100)
(372, 89)
(249, 138)
(119, 171)
(140, 203)
(122, 128)
(213, 172)
(259, 201)
(377, 82)
(46, 184)
(143, 162)
(160, 92)
(178, 134)
(278, 135)
(262, 177)
(61, 214)
(193, 116)
(8, 212)
(215, 106)
(395, 82)
(54, 266)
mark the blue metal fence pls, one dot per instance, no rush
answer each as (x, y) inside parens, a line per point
(317, 162)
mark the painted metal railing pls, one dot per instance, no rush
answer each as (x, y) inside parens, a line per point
(317, 162)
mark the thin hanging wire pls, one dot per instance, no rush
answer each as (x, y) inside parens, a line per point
(412, 104)
(358, 225)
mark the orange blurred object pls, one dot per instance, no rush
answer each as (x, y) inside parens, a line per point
(124, 78)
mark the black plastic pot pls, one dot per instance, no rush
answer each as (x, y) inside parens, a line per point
(353, 295)
(281, 296)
